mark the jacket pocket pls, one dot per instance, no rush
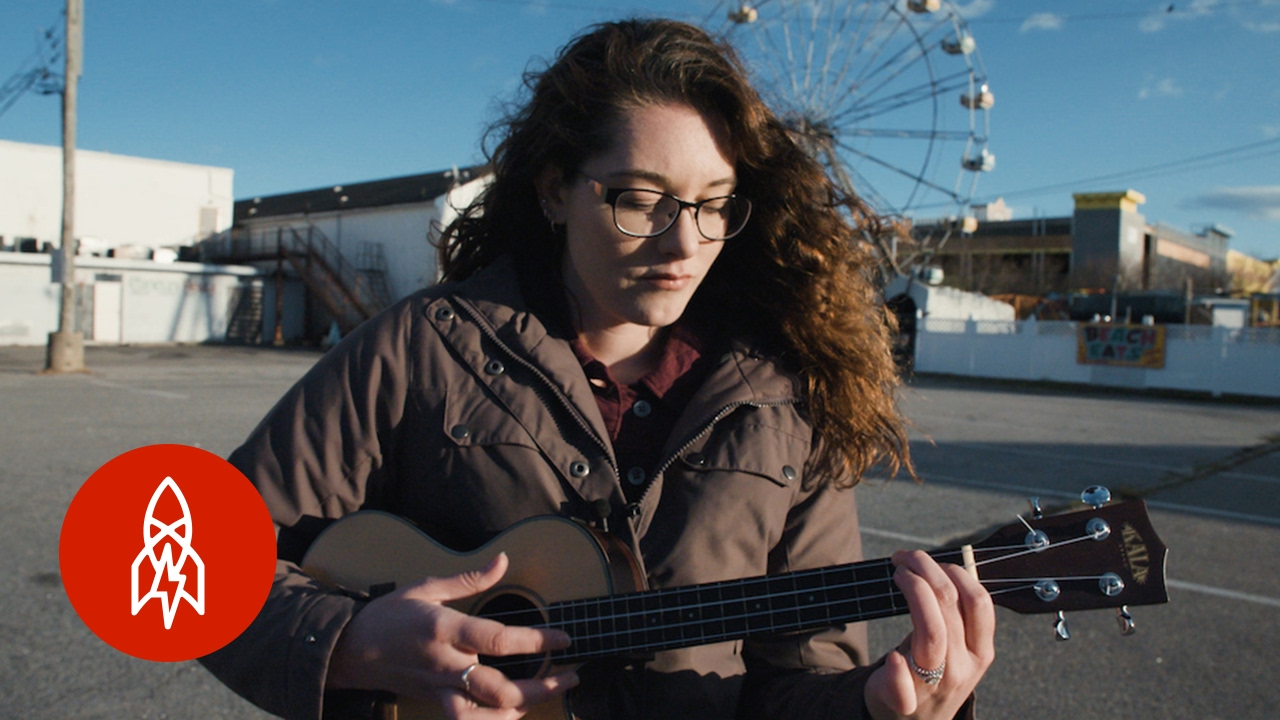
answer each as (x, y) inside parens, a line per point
(474, 419)
(752, 448)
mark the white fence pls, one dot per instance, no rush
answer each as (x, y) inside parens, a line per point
(1198, 358)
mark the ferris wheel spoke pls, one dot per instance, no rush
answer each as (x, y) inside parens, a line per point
(919, 178)
(835, 44)
(905, 134)
(902, 98)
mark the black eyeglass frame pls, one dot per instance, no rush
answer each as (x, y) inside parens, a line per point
(610, 196)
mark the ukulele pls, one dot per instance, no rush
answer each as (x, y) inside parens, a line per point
(568, 576)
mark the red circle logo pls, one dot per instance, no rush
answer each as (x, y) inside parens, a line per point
(167, 552)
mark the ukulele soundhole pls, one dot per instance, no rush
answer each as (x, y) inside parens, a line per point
(512, 607)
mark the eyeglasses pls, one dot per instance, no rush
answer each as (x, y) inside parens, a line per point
(649, 213)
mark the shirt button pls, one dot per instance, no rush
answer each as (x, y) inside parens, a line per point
(579, 469)
(788, 472)
(460, 432)
(642, 408)
(635, 475)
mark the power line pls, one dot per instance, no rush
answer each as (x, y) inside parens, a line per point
(1196, 162)
(1170, 12)
(37, 70)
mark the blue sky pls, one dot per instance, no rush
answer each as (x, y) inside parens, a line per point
(1091, 95)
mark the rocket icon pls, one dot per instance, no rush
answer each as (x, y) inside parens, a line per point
(169, 583)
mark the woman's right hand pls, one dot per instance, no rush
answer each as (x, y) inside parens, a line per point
(409, 643)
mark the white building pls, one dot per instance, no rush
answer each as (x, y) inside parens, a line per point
(342, 252)
(120, 200)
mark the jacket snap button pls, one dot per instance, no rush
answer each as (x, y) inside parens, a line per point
(460, 432)
(642, 408)
(579, 469)
(696, 459)
(444, 314)
(495, 367)
(311, 638)
(635, 475)
(788, 472)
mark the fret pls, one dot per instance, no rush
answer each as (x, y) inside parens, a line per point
(876, 590)
(735, 610)
(635, 621)
(690, 614)
(811, 596)
(652, 620)
(782, 603)
(755, 599)
(710, 601)
(592, 611)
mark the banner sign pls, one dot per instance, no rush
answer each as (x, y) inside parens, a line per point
(1125, 345)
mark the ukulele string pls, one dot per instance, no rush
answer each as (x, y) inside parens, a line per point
(657, 596)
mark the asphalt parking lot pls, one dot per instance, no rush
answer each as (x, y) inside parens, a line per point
(1206, 468)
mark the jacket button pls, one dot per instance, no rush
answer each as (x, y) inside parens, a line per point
(444, 314)
(633, 510)
(460, 432)
(788, 472)
(311, 639)
(696, 459)
(579, 469)
(642, 408)
(495, 367)
(635, 476)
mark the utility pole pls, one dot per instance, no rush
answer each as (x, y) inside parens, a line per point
(66, 346)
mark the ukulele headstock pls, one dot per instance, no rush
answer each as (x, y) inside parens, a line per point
(1106, 556)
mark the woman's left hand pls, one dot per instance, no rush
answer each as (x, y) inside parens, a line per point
(953, 629)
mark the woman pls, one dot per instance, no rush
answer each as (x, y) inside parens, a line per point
(653, 318)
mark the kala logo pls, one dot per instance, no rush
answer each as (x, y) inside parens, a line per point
(167, 571)
(1136, 557)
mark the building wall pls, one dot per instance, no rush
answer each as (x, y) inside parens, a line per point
(122, 301)
(120, 200)
(405, 233)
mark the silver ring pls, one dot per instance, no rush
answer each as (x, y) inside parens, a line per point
(930, 677)
(466, 680)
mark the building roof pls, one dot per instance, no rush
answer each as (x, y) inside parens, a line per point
(376, 193)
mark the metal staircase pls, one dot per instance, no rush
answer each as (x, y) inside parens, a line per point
(351, 295)
(245, 325)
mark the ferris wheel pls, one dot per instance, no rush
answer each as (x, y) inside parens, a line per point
(890, 95)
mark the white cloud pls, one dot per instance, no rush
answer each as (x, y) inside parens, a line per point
(1270, 131)
(1042, 21)
(1165, 87)
(1255, 203)
(977, 8)
(1266, 26)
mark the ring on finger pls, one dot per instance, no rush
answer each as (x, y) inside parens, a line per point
(930, 677)
(466, 677)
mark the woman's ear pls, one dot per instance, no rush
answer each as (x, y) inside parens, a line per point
(551, 192)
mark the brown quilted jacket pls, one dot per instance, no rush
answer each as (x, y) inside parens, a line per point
(458, 410)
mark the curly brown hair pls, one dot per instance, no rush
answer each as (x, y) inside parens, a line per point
(794, 281)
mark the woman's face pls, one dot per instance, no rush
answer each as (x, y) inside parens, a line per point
(620, 281)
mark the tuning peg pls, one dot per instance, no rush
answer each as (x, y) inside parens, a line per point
(1125, 620)
(1036, 512)
(1060, 631)
(1095, 495)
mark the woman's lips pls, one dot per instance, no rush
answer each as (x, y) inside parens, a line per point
(667, 281)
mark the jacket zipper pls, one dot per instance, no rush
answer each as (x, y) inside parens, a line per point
(576, 414)
(706, 428)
